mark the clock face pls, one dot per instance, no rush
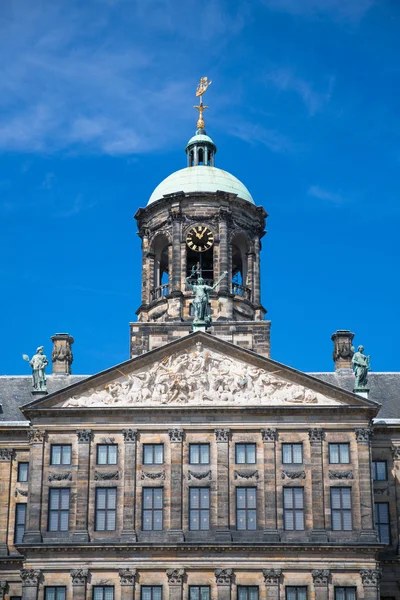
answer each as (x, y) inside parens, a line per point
(199, 238)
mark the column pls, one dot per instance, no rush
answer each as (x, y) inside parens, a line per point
(6, 456)
(148, 276)
(175, 582)
(321, 582)
(176, 252)
(224, 286)
(271, 523)
(30, 582)
(175, 533)
(128, 579)
(36, 440)
(368, 533)
(250, 273)
(82, 485)
(272, 579)
(318, 533)
(256, 273)
(223, 578)
(370, 579)
(396, 471)
(3, 587)
(128, 532)
(223, 508)
(79, 583)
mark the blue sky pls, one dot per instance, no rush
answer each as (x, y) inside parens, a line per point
(95, 110)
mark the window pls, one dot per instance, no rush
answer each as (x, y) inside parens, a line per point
(151, 592)
(199, 592)
(199, 509)
(246, 515)
(248, 592)
(61, 455)
(107, 454)
(293, 508)
(55, 593)
(106, 506)
(379, 470)
(339, 454)
(58, 509)
(23, 468)
(292, 454)
(103, 592)
(245, 454)
(382, 521)
(153, 454)
(20, 598)
(152, 509)
(199, 454)
(345, 593)
(20, 517)
(341, 509)
(296, 593)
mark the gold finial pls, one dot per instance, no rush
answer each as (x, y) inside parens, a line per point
(201, 89)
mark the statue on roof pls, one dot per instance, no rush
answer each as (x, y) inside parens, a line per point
(201, 89)
(202, 86)
(361, 366)
(201, 295)
(38, 362)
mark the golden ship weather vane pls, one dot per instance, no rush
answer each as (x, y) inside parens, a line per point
(201, 89)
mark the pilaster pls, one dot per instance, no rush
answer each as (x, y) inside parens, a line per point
(82, 488)
(222, 437)
(128, 532)
(79, 583)
(128, 579)
(396, 472)
(224, 286)
(317, 437)
(371, 579)
(30, 582)
(321, 583)
(175, 532)
(224, 579)
(3, 589)
(270, 506)
(363, 436)
(6, 456)
(175, 582)
(34, 509)
(272, 579)
(176, 251)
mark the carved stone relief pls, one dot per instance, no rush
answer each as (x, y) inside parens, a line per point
(268, 435)
(105, 475)
(370, 577)
(175, 576)
(128, 577)
(84, 436)
(246, 475)
(60, 476)
(79, 576)
(159, 475)
(363, 434)
(272, 576)
(223, 576)
(341, 474)
(36, 436)
(6, 454)
(320, 576)
(23, 493)
(199, 476)
(30, 577)
(293, 475)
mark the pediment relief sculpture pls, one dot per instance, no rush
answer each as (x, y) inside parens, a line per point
(199, 376)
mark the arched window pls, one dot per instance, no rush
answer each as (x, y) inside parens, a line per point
(161, 267)
(239, 249)
(201, 156)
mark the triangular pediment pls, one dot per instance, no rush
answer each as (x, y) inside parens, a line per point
(200, 371)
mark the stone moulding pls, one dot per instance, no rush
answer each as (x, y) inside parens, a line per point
(158, 475)
(320, 576)
(60, 476)
(30, 577)
(204, 475)
(175, 576)
(246, 475)
(370, 577)
(128, 577)
(272, 576)
(341, 474)
(105, 475)
(223, 576)
(293, 474)
(79, 576)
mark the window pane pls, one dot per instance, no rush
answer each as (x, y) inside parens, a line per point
(346, 498)
(100, 521)
(253, 595)
(242, 593)
(298, 497)
(347, 520)
(251, 453)
(146, 592)
(101, 498)
(382, 512)
(299, 520)
(194, 520)
(147, 498)
(194, 457)
(194, 498)
(205, 457)
(344, 453)
(98, 593)
(21, 514)
(251, 498)
(351, 594)
(111, 497)
(101, 454)
(286, 453)
(147, 520)
(66, 455)
(60, 593)
(205, 498)
(336, 520)
(288, 520)
(333, 453)
(158, 454)
(158, 520)
(384, 534)
(64, 520)
(111, 520)
(381, 471)
(54, 499)
(291, 593)
(251, 519)
(53, 522)
(335, 497)
(64, 503)
(157, 592)
(194, 593)
(302, 593)
(297, 453)
(158, 498)
(240, 454)
(241, 519)
(50, 593)
(241, 497)
(147, 454)
(22, 471)
(56, 455)
(339, 593)
(287, 498)
(108, 593)
(204, 520)
(205, 593)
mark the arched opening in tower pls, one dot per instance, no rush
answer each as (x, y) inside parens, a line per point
(161, 266)
(202, 260)
(239, 249)
(201, 156)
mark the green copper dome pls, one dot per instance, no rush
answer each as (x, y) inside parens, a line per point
(201, 179)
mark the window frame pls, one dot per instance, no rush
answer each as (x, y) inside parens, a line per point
(246, 445)
(25, 463)
(246, 509)
(200, 444)
(103, 587)
(105, 510)
(58, 510)
(247, 588)
(199, 510)
(63, 447)
(339, 451)
(346, 589)
(107, 446)
(200, 587)
(341, 510)
(151, 588)
(152, 509)
(152, 452)
(297, 588)
(290, 444)
(293, 510)
(16, 524)
(377, 524)
(56, 588)
(375, 471)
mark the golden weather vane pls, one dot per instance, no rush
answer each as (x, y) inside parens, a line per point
(201, 89)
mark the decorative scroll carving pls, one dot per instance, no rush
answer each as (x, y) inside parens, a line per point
(363, 434)
(128, 577)
(23, 493)
(149, 475)
(223, 576)
(320, 576)
(60, 476)
(382, 491)
(222, 435)
(396, 452)
(200, 376)
(30, 577)
(6, 454)
(316, 434)
(79, 576)
(341, 474)
(130, 435)
(194, 475)
(105, 475)
(84, 436)
(175, 576)
(293, 474)
(246, 474)
(272, 576)
(268, 435)
(36, 436)
(176, 435)
(370, 577)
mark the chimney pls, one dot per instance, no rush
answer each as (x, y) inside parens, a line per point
(343, 349)
(62, 356)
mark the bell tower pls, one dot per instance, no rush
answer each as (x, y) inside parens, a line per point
(201, 222)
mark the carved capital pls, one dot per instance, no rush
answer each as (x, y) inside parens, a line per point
(396, 452)
(272, 576)
(30, 577)
(79, 576)
(175, 576)
(268, 435)
(222, 435)
(36, 436)
(223, 576)
(320, 576)
(363, 434)
(176, 435)
(130, 435)
(3, 589)
(316, 434)
(370, 577)
(128, 577)
(6, 454)
(84, 436)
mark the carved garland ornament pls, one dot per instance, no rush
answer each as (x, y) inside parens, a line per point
(341, 474)
(79, 576)
(60, 476)
(370, 577)
(293, 474)
(272, 576)
(36, 436)
(30, 577)
(222, 435)
(6, 454)
(128, 577)
(320, 576)
(175, 576)
(21, 492)
(223, 576)
(246, 474)
(149, 475)
(105, 475)
(194, 475)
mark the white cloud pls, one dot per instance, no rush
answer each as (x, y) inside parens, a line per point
(317, 191)
(286, 80)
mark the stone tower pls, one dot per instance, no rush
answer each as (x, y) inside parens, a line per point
(202, 218)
